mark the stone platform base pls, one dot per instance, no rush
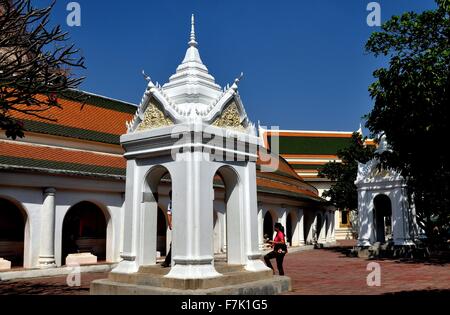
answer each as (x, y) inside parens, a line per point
(81, 259)
(53, 272)
(5, 264)
(150, 280)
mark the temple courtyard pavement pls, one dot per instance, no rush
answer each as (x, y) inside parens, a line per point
(314, 272)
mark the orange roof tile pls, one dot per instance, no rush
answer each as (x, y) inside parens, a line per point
(83, 116)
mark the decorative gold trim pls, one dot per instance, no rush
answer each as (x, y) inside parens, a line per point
(154, 118)
(230, 118)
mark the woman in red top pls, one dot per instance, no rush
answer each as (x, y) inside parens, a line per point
(279, 250)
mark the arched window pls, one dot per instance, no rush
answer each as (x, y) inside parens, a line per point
(84, 230)
(382, 217)
(12, 231)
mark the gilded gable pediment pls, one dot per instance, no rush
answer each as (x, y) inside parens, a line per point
(229, 118)
(154, 118)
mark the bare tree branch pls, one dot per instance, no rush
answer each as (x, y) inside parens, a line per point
(36, 64)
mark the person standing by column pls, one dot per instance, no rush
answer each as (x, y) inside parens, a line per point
(279, 250)
(167, 262)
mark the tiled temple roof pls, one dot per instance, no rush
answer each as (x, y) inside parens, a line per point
(83, 116)
(308, 151)
(103, 120)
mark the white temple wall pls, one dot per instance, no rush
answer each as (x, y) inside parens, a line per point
(112, 203)
(43, 236)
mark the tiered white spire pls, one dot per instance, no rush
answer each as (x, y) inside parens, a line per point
(192, 86)
(193, 42)
(191, 93)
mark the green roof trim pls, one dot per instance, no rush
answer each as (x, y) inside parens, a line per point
(71, 132)
(61, 166)
(99, 101)
(311, 145)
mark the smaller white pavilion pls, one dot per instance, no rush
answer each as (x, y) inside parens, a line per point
(384, 214)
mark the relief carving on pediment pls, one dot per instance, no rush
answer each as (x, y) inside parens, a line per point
(230, 118)
(154, 118)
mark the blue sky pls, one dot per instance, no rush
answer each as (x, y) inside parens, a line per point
(304, 61)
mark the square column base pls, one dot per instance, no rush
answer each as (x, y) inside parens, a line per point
(46, 262)
(193, 272)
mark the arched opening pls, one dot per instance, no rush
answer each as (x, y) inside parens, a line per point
(289, 232)
(161, 233)
(84, 231)
(268, 226)
(156, 197)
(12, 232)
(382, 217)
(327, 225)
(226, 183)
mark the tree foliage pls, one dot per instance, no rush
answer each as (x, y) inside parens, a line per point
(412, 107)
(35, 64)
(343, 192)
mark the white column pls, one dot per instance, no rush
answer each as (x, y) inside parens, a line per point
(223, 219)
(294, 228)
(282, 216)
(250, 220)
(47, 243)
(400, 217)
(366, 236)
(192, 199)
(217, 234)
(301, 227)
(311, 225)
(322, 234)
(260, 227)
(168, 238)
(333, 227)
(130, 221)
(330, 216)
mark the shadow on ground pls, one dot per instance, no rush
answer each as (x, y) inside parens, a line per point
(441, 258)
(33, 288)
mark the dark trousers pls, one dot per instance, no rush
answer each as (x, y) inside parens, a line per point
(168, 259)
(279, 257)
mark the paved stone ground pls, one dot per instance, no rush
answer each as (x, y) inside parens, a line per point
(49, 285)
(329, 271)
(325, 271)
